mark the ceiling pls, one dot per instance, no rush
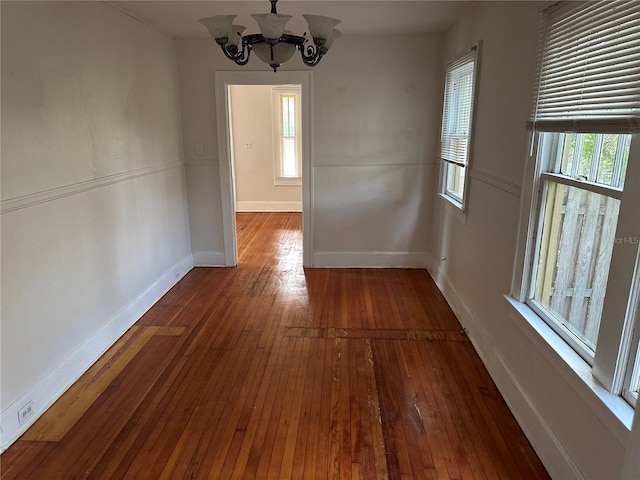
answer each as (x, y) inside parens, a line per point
(179, 18)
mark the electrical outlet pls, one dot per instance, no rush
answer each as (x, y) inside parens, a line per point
(248, 144)
(25, 412)
(199, 149)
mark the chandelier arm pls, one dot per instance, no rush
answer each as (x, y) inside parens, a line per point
(253, 38)
(291, 39)
(311, 62)
(240, 57)
(227, 53)
(244, 58)
(311, 54)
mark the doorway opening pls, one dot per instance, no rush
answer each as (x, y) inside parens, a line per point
(266, 147)
(255, 156)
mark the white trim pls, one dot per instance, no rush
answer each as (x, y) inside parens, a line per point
(268, 206)
(225, 161)
(141, 20)
(497, 182)
(208, 259)
(36, 198)
(370, 259)
(287, 181)
(221, 81)
(630, 351)
(61, 376)
(454, 208)
(600, 189)
(615, 413)
(610, 361)
(528, 217)
(384, 162)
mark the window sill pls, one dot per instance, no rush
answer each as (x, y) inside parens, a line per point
(612, 410)
(454, 207)
(287, 182)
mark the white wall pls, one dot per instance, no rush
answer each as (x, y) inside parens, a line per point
(377, 110)
(573, 432)
(196, 60)
(376, 107)
(252, 120)
(94, 212)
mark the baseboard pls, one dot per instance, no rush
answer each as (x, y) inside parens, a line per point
(58, 380)
(547, 445)
(370, 259)
(208, 259)
(268, 206)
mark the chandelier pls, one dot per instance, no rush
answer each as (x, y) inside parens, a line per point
(273, 45)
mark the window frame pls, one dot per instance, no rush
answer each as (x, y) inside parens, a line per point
(460, 202)
(549, 162)
(618, 338)
(632, 367)
(278, 92)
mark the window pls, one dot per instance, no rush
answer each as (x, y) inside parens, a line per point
(288, 141)
(581, 182)
(579, 267)
(457, 120)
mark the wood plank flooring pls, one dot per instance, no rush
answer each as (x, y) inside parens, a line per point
(270, 371)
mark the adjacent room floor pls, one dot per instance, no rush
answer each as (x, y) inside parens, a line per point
(268, 370)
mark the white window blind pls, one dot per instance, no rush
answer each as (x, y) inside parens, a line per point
(458, 110)
(588, 71)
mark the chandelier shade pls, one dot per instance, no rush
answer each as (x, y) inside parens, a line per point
(320, 27)
(278, 53)
(235, 39)
(271, 24)
(273, 45)
(219, 26)
(333, 36)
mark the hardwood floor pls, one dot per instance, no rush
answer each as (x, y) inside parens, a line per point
(270, 371)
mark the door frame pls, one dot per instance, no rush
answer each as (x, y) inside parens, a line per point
(222, 81)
